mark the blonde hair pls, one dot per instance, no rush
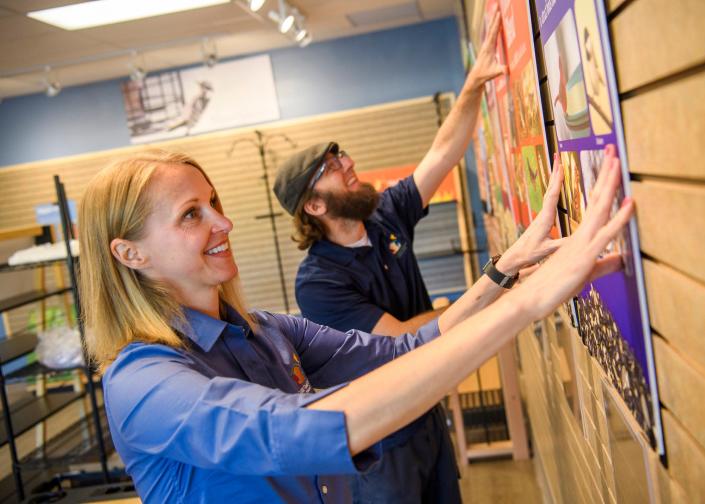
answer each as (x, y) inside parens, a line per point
(119, 304)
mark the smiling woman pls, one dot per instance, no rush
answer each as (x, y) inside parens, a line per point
(209, 402)
(157, 213)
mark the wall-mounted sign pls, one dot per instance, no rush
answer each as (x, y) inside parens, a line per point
(196, 100)
(510, 144)
(613, 319)
(382, 178)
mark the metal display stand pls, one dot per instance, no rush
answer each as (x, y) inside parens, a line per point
(31, 410)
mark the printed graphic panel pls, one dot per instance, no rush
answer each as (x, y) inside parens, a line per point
(612, 314)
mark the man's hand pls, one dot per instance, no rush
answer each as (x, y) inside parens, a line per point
(486, 66)
(536, 243)
(453, 136)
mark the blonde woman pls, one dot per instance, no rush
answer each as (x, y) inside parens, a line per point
(209, 402)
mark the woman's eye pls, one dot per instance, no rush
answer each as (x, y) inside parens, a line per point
(191, 214)
(214, 202)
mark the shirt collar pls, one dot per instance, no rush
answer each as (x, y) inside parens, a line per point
(205, 330)
(344, 255)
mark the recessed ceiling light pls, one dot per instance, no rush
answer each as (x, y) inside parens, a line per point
(104, 12)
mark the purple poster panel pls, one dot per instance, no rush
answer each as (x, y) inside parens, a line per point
(612, 314)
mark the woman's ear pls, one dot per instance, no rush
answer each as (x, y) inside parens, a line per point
(127, 253)
(315, 207)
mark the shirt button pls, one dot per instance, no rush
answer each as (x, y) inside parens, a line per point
(324, 489)
(386, 267)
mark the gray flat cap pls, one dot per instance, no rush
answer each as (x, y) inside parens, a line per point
(295, 173)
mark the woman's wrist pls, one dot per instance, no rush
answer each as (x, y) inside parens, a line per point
(508, 264)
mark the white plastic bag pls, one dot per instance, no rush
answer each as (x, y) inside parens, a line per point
(60, 348)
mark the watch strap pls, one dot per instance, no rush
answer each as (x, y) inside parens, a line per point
(504, 281)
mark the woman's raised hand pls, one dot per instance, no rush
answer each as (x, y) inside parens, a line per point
(578, 260)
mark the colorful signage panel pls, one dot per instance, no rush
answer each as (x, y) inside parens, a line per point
(510, 144)
(382, 178)
(612, 314)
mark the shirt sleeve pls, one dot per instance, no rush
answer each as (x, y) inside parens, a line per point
(158, 405)
(330, 357)
(321, 300)
(402, 204)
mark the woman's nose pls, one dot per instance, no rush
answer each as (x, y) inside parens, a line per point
(221, 224)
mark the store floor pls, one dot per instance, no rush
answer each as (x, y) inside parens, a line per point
(500, 482)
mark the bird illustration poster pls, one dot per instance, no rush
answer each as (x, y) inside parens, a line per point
(199, 99)
(582, 94)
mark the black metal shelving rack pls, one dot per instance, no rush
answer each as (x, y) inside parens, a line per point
(68, 447)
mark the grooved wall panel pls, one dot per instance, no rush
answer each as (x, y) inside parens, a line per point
(613, 4)
(376, 137)
(671, 221)
(659, 52)
(670, 491)
(686, 459)
(682, 388)
(653, 39)
(673, 145)
(677, 309)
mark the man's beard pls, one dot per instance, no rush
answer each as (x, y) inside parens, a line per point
(355, 205)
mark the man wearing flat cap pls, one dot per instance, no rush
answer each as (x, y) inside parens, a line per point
(361, 273)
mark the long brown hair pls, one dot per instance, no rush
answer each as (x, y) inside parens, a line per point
(120, 305)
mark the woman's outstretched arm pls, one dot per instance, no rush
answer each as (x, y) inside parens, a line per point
(393, 395)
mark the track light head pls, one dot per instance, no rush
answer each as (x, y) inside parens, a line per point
(286, 17)
(255, 5)
(138, 74)
(306, 40)
(301, 34)
(286, 23)
(51, 83)
(53, 88)
(209, 52)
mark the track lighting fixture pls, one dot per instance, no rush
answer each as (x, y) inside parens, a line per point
(137, 71)
(286, 18)
(301, 34)
(51, 83)
(255, 5)
(137, 74)
(306, 40)
(210, 54)
(290, 21)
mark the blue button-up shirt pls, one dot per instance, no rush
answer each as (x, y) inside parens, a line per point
(224, 419)
(352, 287)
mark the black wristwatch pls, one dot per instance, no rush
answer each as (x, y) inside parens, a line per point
(497, 276)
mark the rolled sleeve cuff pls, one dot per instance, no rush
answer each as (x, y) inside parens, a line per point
(325, 452)
(429, 331)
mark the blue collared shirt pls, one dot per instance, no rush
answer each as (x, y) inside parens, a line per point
(351, 288)
(225, 419)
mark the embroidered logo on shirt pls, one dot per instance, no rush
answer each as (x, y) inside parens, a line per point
(297, 373)
(396, 247)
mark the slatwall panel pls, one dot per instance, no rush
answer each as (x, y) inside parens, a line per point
(659, 53)
(376, 137)
(660, 57)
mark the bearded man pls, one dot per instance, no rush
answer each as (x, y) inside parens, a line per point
(361, 273)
